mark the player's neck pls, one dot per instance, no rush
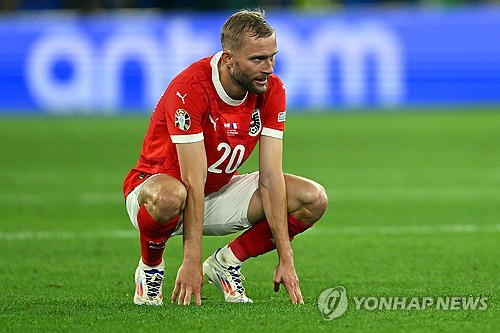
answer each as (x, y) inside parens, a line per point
(231, 87)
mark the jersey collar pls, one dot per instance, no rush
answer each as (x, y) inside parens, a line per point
(218, 85)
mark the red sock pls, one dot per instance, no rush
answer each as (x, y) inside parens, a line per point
(153, 236)
(296, 227)
(259, 239)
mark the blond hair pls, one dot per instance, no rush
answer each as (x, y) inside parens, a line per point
(244, 23)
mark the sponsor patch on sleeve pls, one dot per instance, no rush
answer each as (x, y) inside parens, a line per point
(281, 116)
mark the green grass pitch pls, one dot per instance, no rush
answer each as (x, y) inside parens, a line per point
(414, 212)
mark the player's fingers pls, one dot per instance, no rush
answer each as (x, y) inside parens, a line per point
(197, 298)
(293, 296)
(175, 293)
(298, 293)
(182, 295)
(187, 297)
(293, 289)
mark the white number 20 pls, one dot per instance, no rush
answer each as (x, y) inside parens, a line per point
(234, 160)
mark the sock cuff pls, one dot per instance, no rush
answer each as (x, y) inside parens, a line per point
(238, 251)
(226, 257)
(143, 266)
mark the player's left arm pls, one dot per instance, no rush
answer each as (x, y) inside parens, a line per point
(273, 193)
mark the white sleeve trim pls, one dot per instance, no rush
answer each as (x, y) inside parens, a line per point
(272, 133)
(188, 138)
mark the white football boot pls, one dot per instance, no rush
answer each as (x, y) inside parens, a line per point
(149, 281)
(227, 279)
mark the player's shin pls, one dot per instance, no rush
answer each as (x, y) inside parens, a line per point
(153, 236)
(259, 239)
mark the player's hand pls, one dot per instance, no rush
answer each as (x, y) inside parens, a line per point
(285, 274)
(189, 282)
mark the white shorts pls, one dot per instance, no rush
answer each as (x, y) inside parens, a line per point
(225, 210)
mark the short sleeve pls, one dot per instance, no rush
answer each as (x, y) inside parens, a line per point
(183, 112)
(274, 109)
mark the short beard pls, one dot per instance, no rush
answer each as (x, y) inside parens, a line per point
(246, 82)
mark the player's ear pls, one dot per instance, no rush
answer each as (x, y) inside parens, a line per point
(227, 58)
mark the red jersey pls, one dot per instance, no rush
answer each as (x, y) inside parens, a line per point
(195, 107)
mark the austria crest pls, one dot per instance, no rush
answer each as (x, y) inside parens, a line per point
(255, 123)
(182, 119)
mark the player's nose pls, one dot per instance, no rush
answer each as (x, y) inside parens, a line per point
(268, 67)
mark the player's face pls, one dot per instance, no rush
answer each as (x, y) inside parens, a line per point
(254, 63)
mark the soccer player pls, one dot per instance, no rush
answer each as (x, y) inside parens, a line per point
(203, 128)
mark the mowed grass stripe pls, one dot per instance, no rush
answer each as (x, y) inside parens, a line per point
(353, 230)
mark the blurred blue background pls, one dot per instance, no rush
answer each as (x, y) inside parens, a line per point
(80, 57)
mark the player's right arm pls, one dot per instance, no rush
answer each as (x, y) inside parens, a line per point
(193, 165)
(184, 109)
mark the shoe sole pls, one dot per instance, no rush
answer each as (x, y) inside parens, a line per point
(139, 301)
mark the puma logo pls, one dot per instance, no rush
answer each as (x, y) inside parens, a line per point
(214, 122)
(181, 97)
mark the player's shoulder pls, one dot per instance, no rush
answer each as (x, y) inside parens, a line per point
(274, 82)
(275, 88)
(198, 73)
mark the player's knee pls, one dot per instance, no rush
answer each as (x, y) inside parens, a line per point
(163, 201)
(170, 203)
(318, 202)
(314, 203)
